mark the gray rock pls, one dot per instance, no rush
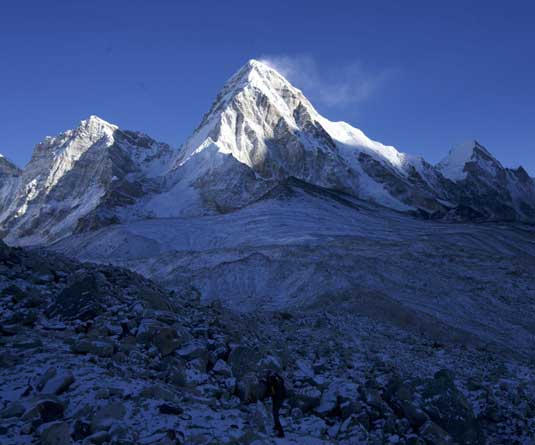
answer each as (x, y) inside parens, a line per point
(158, 392)
(98, 348)
(43, 380)
(83, 299)
(28, 344)
(306, 399)
(338, 392)
(81, 429)
(106, 416)
(193, 350)
(14, 292)
(7, 359)
(449, 409)
(169, 437)
(14, 409)
(304, 369)
(222, 368)
(434, 435)
(166, 340)
(55, 433)
(328, 403)
(97, 438)
(170, 409)
(270, 362)
(176, 374)
(47, 410)
(219, 353)
(413, 439)
(416, 416)
(243, 360)
(349, 408)
(58, 384)
(147, 329)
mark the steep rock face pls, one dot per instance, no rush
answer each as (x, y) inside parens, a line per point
(485, 188)
(74, 180)
(9, 180)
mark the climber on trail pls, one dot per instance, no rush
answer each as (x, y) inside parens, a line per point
(277, 391)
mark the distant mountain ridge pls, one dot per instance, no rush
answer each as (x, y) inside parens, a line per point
(260, 132)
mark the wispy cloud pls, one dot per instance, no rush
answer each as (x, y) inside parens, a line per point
(331, 85)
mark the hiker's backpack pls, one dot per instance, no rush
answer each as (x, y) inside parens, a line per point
(276, 386)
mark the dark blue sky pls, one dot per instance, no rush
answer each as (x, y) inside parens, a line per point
(417, 75)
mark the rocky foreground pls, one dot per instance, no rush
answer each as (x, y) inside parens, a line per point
(100, 355)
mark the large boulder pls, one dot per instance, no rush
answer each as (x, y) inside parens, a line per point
(98, 348)
(44, 411)
(450, 410)
(166, 340)
(158, 392)
(243, 360)
(338, 393)
(58, 384)
(14, 292)
(13, 409)
(434, 435)
(107, 415)
(222, 368)
(401, 396)
(55, 433)
(306, 398)
(196, 349)
(83, 299)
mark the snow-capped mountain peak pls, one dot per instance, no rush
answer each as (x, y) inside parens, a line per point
(97, 126)
(261, 77)
(76, 178)
(247, 98)
(261, 121)
(89, 131)
(453, 166)
(67, 148)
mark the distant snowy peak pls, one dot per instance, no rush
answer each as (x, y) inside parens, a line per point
(455, 165)
(485, 188)
(78, 179)
(56, 156)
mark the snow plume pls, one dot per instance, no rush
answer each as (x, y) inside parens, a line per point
(332, 85)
